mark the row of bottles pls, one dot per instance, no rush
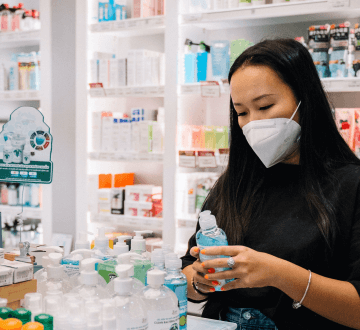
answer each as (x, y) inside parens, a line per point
(24, 194)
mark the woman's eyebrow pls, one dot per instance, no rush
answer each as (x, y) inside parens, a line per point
(255, 99)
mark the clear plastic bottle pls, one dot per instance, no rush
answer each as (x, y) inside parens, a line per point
(90, 287)
(33, 303)
(13, 199)
(5, 18)
(131, 312)
(158, 261)
(56, 278)
(211, 235)
(176, 281)
(8, 152)
(121, 247)
(161, 302)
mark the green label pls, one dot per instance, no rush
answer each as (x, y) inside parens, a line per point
(140, 270)
(37, 172)
(107, 272)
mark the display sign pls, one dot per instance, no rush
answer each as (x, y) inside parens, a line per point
(25, 148)
(206, 159)
(187, 159)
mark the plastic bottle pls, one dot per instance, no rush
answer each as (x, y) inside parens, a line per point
(176, 281)
(220, 59)
(33, 326)
(11, 324)
(90, 287)
(211, 235)
(76, 317)
(3, 302)
(190, 65)
(13, 199)
(22, 314)
(167, 249)
(101, 241)
(35, 195)
(121, 247)
(93, 317)
(36, 20)
(56, 278)
(158, 261)
(131, 312)
(33, 303)
(5, 18)
(8, 152)
(108, 316)
(41, 275)
(138, 243)
(26, 194)
(46, 320)
(17, 14)
(161, 302)
(4, 194)
(27, 153)
(201, 63)
(5, 313)
(82, 241)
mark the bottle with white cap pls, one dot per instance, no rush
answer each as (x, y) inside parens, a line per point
(161, 302)
(158, 261)
(167, 249)
(53, 305)
(138, 243)
(8, 152)
(101, 241)
(27, 153)
(41, 275)
(108, 316)
(89, 279)
(82, 241)
(211, 235)
(131, 312)
(57, 280)
(93, 316)
(121, 247)
(33, 303)
(176, 281)
(76, 279)
(76, 319)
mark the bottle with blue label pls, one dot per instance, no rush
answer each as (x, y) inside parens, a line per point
(190, 65)
(211, 235)
(202, 62)
(176, 281)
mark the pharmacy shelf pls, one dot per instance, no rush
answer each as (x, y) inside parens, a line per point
(19, 39)
(140, 91)
(28, 212)
(154, 224)
(20, 95)
(330, 84)
(198, 88)
(130, 157)
(132, 27)
(186, 222)
(270, 14)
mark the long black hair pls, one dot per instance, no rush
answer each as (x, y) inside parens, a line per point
(239, 196)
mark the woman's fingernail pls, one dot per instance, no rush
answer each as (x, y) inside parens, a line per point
(203, 251)
(215, 283)
(222, 289)
(196, 249)
(203, 264)
(212, 289)
(206, 276)
(211, 270)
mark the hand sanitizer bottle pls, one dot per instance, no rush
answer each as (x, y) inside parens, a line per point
(158, 261)
(131, 312)
(211, 235)
(101, 241)
(161, 302)
(121, 247)
(176, 281)
(56, 278)
(82, 241)
(8, 152)
(89, 279)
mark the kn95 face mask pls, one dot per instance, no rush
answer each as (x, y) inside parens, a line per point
(273, 140)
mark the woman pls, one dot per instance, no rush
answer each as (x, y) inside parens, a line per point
(289, 202)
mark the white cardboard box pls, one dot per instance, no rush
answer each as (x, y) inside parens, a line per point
(22, 271)
(6, 276)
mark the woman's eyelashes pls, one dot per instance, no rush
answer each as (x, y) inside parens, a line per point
(262, 108)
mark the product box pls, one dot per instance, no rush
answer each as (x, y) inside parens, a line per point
(6, 276)
(136, 9)
(138, 209)
(104, 72)
(106, 133)
(124, 136)
(159, 7)
(14, 77)
(117, 200)
(117, 72)
(120, 10)
(104, 208)
(148, 191)
(3, 78)
(22, 271)
(338, 51)
(135, 137)
(132, 193)
(131, 68)
(148, 8)
(356, 60)
(210, 140)
(221, 137)
(345, 122)
(15, 293)
(162, 69)
(96, 131)
(104, 195)
(145, 136)
(158, 137)
(94, 71)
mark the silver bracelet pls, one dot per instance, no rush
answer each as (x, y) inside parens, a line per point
(297, 304)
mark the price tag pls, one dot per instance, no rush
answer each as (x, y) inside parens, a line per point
(223, 156)
(10, 36)
(97, 90)
(206, 159)
(128, 91)
(7, 96)
(190, 89)
(339, 3)
(19, 95)
(120, 25)
(34, 95)
(111, 92)
(326, 83)
(187, 159)
(192, 18)
(107, 26)
(131, 24)
(141, 22)
(120, 92)
(161, 89)
(139, 91)
(103, 156)
(157, 21)
(354, 83)
(210, 89)
(95, 27)
(153, 90)
(95, 155)
(144, 156)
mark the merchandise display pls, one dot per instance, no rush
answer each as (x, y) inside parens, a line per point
(20, 194)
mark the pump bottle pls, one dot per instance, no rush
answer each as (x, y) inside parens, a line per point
(102, 242)
(82, 242)
(121, 247)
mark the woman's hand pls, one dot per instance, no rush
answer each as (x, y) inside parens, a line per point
(252, 269)
(203, 284)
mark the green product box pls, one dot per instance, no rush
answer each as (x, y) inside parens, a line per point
(210, 140)
(238, 46)
(221, 137)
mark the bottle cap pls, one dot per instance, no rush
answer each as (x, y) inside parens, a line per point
(22, 314)
(45, 261)
(138, 243)
(51, 304)
(33, 302)
(11, 324)
(86, 253)
(123, 283)
(54, 269)
(121, 247)
(3, 302)
(207, 220)
(167, 249)
(5, 312)
(173, 263)
(170, 256)
(156, 277)
(101, 241)
(33, 326)
(157, 257)
(82, 241)
(46, 320)
(89, 276)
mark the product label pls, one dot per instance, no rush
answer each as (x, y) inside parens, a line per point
(187, 159)
(180, 290)
(71, 267)
(140, 269)
(164, 320)
(107, 272)
(140, 324)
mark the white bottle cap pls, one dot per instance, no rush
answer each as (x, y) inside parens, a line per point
(108, 316)
(170, 256)
(157, 257)
(86, 253)
(33, 302)
(138, 243)
(101, 241)
(89, 276)
(167, 249)
(123, 283)
(3, 302)
(82, 241)
(173, 263)
(121, 247)
(54, 269)
(207, 220)
(156, 277)
(45, 260)
(51, 304)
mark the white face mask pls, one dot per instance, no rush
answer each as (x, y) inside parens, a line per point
(273, 140)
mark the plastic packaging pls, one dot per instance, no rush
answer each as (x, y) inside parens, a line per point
(121, 247)
(176, 281)
(33, 303)
(211, 235)
(131, 312)
(201, 63)
(161, 302)
(338, 51)
(101, 241)
(220, 59)
(190, 65)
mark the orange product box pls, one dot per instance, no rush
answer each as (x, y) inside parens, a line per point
(105, 181)
(123, 179)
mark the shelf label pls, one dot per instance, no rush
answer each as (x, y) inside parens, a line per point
(139, 91)
(161, 89)
(120, 25)
(190, 89)
(187, 159)
(186, 223)
(192, 18)
(107, 26)
(111, 92)
(7, 95)
(104, 156)
(95, 155)
(153, 90)
(97, 90)
(128, 91)
(120, 92)
(210, 89)
(95, 27)
(156, 21)
(223, 156)
(339, 3)
(326, 84)
(206, 159)
(354, 84)
(136, 24)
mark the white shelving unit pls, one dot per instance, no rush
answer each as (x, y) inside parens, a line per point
(20, 96)
(27, 212)
(130, 157)
(184, 104)
(20, 39)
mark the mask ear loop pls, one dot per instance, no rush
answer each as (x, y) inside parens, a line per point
(293, 114)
